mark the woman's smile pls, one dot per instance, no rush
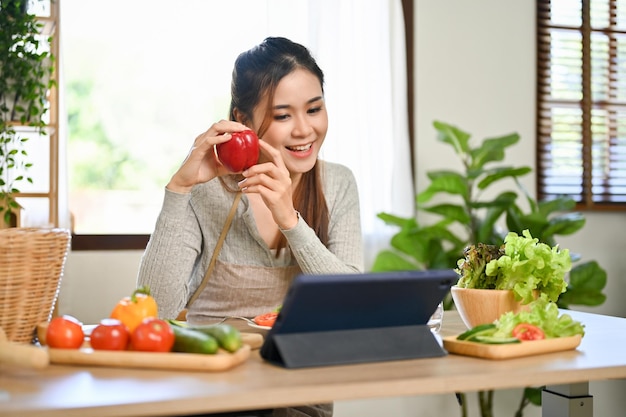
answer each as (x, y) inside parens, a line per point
(301, 151)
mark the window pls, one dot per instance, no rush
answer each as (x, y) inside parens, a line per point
(39, 199)
(141, 85)
(581, 93)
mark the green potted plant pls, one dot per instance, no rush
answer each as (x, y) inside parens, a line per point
(461, 213)
(26, 67)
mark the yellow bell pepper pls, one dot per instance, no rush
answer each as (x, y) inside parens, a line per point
(134, 309)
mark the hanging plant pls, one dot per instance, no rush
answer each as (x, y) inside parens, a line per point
(26, 67)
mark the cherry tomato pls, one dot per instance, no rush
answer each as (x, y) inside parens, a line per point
(65, 332)
(527, 331)
(152, 335)
(266, 319)
(240, 152)
(109, 334)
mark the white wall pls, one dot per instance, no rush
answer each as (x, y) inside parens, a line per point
(475, 68)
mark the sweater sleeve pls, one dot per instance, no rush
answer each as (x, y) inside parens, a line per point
(171, 255)
(344, 253)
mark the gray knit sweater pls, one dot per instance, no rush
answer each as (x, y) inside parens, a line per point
(188, 227)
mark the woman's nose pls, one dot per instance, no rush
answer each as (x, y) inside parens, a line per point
(302, 127)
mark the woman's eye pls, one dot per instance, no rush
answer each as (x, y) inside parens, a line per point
(315, 110)
(281, 116)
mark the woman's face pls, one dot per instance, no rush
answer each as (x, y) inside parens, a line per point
(299, 120)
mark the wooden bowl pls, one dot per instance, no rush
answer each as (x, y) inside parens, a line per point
(477, 306)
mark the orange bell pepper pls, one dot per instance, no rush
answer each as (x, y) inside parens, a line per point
(134, 309)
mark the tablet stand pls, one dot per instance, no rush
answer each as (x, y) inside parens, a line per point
(337, 347)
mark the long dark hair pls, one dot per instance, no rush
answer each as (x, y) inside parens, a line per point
(256, 75)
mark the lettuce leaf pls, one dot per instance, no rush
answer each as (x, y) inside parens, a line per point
(544, 314)
(528, 265)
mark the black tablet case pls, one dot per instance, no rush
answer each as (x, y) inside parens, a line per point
(353, 318)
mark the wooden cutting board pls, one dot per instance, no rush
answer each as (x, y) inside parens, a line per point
(86, 356)
(220, 361)
(512, 350)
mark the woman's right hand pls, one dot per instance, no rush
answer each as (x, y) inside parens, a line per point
(201, 165)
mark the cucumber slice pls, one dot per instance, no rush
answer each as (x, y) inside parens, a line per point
(480, 329)
(492, 340)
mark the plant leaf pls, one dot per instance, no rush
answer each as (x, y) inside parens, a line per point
(492, 150)
(410, 244)
(453, 136)
(450, 211)
(586, 282)
(501, 173)
(533, 395)
(565, 224)
(558, 204)
(445, 182)
(393, 220)
(387, 260)
(505, 199)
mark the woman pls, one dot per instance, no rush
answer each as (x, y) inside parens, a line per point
(297, 214)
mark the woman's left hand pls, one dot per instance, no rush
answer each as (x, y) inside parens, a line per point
(272, 181)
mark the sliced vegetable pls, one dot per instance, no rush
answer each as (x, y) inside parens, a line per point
(489, 328)
(527, 331)
(495, 340)
(545, 315)
(266, 319)
(543, 320)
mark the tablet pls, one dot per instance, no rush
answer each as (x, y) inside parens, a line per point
(325, 319)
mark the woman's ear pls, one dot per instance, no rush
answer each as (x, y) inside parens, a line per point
(239, 116)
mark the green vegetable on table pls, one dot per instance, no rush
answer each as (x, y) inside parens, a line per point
(522, 264)
(226, 336)
(542, 313)
(192, 341)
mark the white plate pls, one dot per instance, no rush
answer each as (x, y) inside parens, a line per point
(248, 321)
(256, 326)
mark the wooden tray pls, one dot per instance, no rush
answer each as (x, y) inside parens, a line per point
(507, 351)
(86, 356)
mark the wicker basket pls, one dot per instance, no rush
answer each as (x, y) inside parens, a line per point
(31, 267)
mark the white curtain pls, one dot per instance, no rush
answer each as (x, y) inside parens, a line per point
(361, 48)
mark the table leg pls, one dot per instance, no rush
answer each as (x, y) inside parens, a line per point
(571, 400)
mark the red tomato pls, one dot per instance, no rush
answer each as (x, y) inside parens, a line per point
(65, 332)
(109, 334)
(240, 152)
(527, 331)
(267, 319)
(152, 335)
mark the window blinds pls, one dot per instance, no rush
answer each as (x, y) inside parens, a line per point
(581, 101)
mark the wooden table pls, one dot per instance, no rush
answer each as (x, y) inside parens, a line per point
(91, 391)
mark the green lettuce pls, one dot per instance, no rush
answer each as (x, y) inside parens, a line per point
(543, 314)
(523, 265)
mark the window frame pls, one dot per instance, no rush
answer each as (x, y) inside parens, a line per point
(105, 242)
(585, 199)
